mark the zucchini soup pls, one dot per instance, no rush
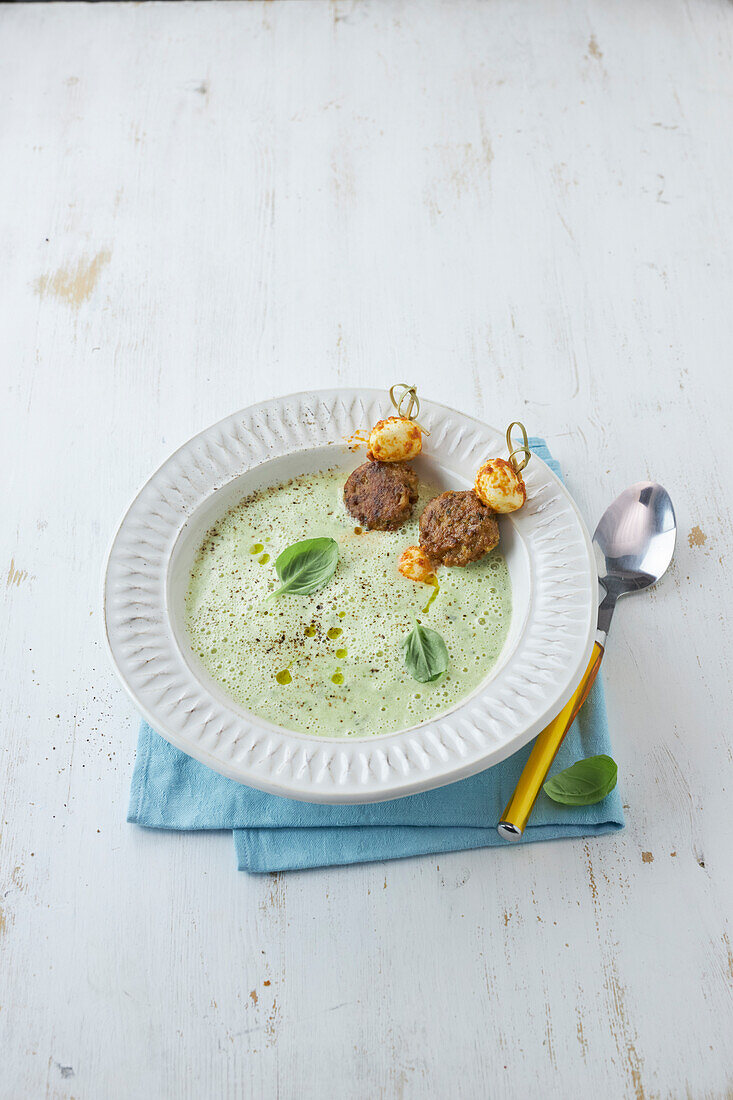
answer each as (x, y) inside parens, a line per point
(332, 663)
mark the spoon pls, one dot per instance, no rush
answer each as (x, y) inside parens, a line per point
(633, 545)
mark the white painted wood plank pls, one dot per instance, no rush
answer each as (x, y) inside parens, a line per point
(525, 209)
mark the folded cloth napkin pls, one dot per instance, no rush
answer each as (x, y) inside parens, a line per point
(172, 791)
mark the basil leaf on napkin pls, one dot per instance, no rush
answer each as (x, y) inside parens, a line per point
(583, 783)
(426, 656)
(306, 566)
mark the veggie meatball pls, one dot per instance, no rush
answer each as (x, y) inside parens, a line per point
(456, 528)
(381, 495)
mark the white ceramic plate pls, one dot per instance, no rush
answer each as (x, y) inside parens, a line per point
(554, 592)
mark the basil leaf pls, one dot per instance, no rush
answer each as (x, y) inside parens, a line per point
(584, 783)
(306, 566)
(426, 656)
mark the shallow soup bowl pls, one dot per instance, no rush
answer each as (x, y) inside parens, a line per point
(545, 545)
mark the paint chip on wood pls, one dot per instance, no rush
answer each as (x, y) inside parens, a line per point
(75, 283)
(593, 48)
(15, 576)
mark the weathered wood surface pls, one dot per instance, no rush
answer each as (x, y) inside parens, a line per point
(526, 209)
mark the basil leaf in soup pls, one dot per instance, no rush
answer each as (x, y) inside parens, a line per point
(583, 783)
(306, 566)
(426, 655)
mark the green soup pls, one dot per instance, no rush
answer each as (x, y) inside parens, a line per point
(331, 663)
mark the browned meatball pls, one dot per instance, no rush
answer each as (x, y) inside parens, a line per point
(381, 495)
(457, 527)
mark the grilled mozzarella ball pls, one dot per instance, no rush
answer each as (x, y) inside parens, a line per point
(395, 439)
(415, 564)
(499, 486)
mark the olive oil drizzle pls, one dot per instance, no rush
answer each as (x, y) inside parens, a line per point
(433, 594)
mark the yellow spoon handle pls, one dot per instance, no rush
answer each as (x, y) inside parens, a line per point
(545, 748)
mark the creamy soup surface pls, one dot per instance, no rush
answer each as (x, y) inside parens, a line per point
(331, 663)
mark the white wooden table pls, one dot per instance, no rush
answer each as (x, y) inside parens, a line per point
(526, 209)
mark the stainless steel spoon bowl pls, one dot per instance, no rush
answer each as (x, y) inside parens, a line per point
(633, 545)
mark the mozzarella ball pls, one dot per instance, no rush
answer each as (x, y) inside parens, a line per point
(415, 564)
(395, 439)
(499, 486)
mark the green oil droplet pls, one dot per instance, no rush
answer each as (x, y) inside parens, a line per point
(335, 632)
(257, 548)
(310, 631)
(342, 614)
(433, 595)
(337, 678)
(264, 559)
(284, 677)
(341, 652)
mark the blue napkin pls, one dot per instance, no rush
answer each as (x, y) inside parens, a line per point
(172, 791)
